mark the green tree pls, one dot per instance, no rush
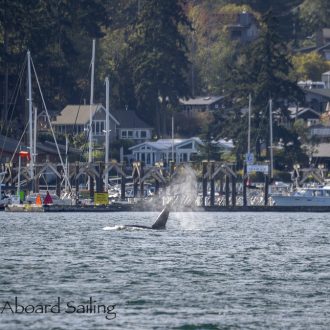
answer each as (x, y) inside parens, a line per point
(315, 14)
(53, 32)
(264, 73)
(158, 59)
(115, 63)
(309, 66)
(211, 50)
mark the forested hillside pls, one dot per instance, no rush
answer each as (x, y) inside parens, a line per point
(156, 52)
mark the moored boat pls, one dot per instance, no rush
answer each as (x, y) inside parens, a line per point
(312, 196)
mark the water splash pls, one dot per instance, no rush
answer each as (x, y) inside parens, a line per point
(118, 227)
(183, 192)
(122, 227)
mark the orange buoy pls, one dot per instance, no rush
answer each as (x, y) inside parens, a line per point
(38, 200)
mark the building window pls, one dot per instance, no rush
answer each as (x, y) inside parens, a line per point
(143, 134)
(124, 134)
(183, 157)
(130, 134)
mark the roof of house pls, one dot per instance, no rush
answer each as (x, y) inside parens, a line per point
(48, 146)
(129, 119)
(325, 92)
(225, 144)
(325, 46)
(78, 114)
(201, 100)
(10, 145)
(293, 111)
(311, 48)
(165, 144)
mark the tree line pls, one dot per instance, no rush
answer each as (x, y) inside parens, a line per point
(156, 52)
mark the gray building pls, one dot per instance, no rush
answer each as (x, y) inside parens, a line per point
(202, 104)
(74, 119)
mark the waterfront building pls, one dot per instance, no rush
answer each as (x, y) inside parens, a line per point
(164, 150)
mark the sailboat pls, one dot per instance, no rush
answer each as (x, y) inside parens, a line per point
(34, 202)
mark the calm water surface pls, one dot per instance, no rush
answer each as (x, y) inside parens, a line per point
(206, 271)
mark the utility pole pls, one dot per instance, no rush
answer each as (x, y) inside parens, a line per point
(91, 102)
(107, 131)
(271, 137)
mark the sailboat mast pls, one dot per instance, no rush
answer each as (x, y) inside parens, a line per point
(271, 137)
(90, 150)
(30, 115)
(66, 161)
(34, 155)
(249, 126)
(107, 131)
(172, 138)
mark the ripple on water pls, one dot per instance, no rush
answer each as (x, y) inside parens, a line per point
(206, 271)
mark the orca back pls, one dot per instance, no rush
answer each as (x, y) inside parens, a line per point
(160, 223)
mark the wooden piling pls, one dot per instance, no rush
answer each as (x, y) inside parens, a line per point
(123, 185)
(227, 189)
(266, 190)
(91, 188)
(244, 186)
(212, 199)
(204, 181)
(141, 182)
(76, 178)
(233, 191)
(135, 180)
(100, 183)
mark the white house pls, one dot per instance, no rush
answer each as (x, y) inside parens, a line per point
(163, 149)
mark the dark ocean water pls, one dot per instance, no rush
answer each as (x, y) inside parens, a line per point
(206, 271)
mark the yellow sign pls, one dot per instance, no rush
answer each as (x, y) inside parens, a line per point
(101, 199)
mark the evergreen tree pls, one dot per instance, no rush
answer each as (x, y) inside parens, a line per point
(269, 67)
(315, 15)
(264, 73)
(53, 32)
(158, 59)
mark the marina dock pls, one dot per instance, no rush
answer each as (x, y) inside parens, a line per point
(140, 208)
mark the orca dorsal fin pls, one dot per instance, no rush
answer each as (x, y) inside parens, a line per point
(160, 223)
